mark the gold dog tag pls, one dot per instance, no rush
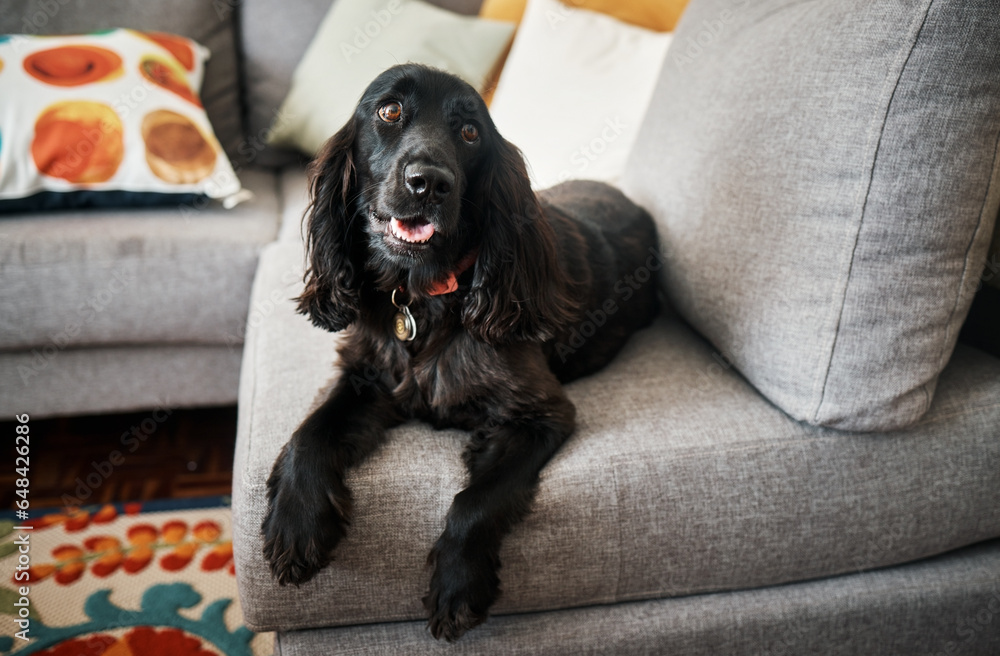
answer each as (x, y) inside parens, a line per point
(404, 325)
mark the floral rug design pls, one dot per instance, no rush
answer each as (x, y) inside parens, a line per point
(124, 580)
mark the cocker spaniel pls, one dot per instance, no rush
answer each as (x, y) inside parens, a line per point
(473, 298)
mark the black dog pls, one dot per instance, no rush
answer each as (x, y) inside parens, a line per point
(466, 292)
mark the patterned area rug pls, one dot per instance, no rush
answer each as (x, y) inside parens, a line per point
(151, 579)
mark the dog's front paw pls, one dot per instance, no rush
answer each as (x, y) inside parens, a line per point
(461, 592)
(307, 516)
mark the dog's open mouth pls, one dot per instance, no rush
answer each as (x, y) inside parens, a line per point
(416, 230)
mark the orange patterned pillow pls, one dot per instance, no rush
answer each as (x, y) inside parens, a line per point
(109, 118)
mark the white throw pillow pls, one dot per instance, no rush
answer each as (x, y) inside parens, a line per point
(574, 91)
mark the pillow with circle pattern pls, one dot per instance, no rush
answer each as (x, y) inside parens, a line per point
(111, 118)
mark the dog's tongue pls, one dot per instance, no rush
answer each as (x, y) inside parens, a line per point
(414, 231)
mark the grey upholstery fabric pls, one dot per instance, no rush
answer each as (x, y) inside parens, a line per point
(209, 23)
(294, 201)
(825, 177)
(173, 275)
(46, 383)
(948, 605)
(269, 61)
(681, 479)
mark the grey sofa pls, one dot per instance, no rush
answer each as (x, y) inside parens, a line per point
(716, 498)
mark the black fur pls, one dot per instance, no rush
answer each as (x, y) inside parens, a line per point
(490, 357)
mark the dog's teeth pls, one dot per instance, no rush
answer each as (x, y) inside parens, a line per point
(416, 234)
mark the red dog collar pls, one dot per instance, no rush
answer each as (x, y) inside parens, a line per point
(450, 284)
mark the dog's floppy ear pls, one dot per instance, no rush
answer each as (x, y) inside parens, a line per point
(518, 291)
(332, 276)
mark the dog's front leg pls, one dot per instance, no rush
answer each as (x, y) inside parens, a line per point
(504, 462)
(309, 505)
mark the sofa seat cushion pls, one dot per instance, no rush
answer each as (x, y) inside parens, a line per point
(169, 275)
(117, 379)
(680, 479)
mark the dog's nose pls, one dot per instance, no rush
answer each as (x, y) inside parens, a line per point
(426, 181)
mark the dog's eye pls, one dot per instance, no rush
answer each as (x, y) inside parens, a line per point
(470, 132)
(390, 112)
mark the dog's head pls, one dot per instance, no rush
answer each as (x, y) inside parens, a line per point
(418, 181)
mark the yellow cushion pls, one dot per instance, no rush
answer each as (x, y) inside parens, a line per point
(504, 10)
(660, 15)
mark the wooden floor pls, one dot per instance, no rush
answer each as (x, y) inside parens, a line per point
(131, 457)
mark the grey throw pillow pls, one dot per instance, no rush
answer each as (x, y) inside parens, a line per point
(825, 179)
